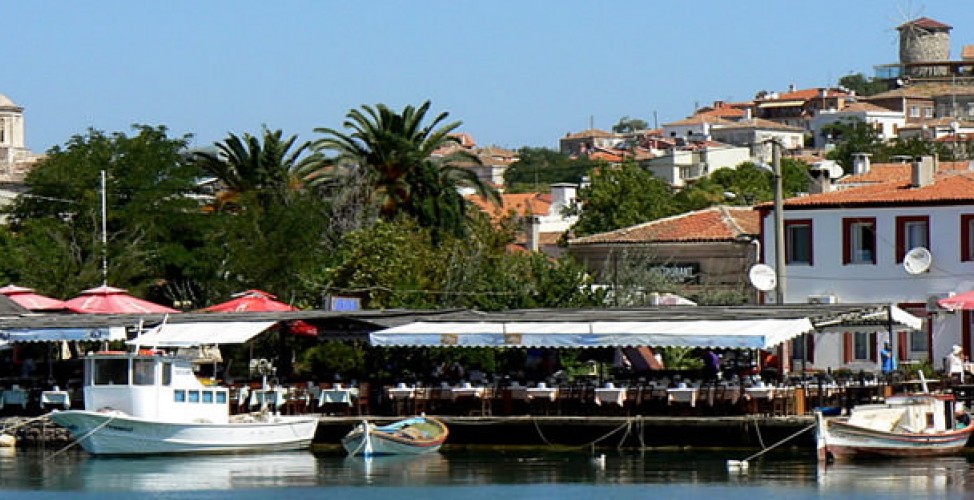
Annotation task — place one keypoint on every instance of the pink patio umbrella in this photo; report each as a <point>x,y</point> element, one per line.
<point>110,300</point>
<point>27,298</point>
<point>963,301</point>
<point>261,301</point>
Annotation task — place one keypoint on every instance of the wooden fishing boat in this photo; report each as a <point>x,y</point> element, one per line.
<point>904,426</point>
<point>412,436</point>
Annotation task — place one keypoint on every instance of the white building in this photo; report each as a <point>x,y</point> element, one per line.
<point>849,246</point>
<point>681,164</point>
<point>886,121</point>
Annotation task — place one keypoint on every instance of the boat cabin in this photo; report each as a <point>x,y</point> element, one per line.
<point>926,413</point>
<point>153,385</point>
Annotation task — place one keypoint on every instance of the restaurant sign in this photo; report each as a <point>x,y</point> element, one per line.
<point>678,272</point>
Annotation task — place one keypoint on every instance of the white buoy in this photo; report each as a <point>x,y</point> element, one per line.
<point>7,441</point>
<point>737,465</point>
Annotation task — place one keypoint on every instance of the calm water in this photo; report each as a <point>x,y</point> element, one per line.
<point>478,475</point>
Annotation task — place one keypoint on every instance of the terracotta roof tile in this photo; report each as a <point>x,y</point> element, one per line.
<point>720,223</point>
<point>761,123</point>
<point>895,172</point>
<point>592,132</point>
<point>520,204</point>
<point>925,23</point>
<point>967,52</point>
<point>699,119</point>
<point>948,187</point>
<point>866,107</point>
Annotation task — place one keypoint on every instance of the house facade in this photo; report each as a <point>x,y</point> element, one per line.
<point>681,164</point>
<point>886,121</point>
<point>854,245</point>
<point>757,135</point>
<point>699,253</point>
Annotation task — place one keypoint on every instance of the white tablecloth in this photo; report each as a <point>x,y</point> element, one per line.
<point>401,392</point>
<point>459,392</point>
<point>550,393</point>
<point>56,398</point>
<point>346,396</point>
<point>605,395</point>
<point>15,397</point>
<point>683,395</point>
<point>273,398</point>
<point>760,392</point>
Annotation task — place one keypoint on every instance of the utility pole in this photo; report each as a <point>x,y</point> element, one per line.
<point>779,224</point>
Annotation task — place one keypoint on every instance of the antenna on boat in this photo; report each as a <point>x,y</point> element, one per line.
<point>104,232</point>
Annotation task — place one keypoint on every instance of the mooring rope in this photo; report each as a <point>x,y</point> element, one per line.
<point>757,429</point>
<point>625,425</point>
<point>779,443</point>
<point>87,434</point>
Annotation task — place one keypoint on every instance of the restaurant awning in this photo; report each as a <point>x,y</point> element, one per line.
<point>729,334</point>
<point>203,333</point>
<point>60,334</point>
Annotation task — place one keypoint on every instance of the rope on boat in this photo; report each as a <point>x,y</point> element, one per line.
<point>25,422</point>
<point>626,425</point>
<point>76,441</point>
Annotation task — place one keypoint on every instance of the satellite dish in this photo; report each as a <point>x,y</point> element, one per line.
<point>917,260</point>
<point>762,277</point>
<point>835,171</point>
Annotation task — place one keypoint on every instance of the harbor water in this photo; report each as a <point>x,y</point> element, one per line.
<point>502,473</point>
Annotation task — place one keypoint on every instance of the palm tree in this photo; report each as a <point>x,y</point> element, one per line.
<point>409,167</point>
<point>246,166</point>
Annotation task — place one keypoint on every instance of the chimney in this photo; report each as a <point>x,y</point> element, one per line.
<point>533,232</point>
<point>821,174</point>
<point>923,170</point>
<point>860,163</point>
<point>562,195</point>
<point>747,114</point>
<point>792,87</point>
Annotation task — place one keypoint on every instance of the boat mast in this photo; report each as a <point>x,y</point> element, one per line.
<point>104,232</point>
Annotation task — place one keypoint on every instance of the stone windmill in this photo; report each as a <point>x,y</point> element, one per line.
<point>924,40</point>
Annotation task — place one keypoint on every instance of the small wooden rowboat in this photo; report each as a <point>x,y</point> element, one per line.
<point>412,436</point>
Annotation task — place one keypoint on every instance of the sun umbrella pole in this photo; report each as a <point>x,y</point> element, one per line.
<point>104,231</point>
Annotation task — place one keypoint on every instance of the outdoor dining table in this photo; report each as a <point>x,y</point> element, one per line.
<point>539,393</point>
<point>610,395</point>
<point>683,395</point>
<point>466,390</point>
<point>14,396</point>
<point>274,398</point>
<point>338,395</point>
<point>59,399</point>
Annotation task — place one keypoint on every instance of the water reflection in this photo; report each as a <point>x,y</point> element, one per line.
<point>914,475</point>
<point>444,472</point>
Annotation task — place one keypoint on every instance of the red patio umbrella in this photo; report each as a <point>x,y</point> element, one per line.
<point>27,298</point>
<point>251,301</point>
<point>261,301</point>
<point>960,301</point>
<point>110,300</point>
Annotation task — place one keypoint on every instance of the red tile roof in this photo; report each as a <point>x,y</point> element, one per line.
<point>925,23</point>
<point>895,172</point>
<point>951,187</point>
<point>520,204</point>
<point>592,132</point>
<point>719,223</point>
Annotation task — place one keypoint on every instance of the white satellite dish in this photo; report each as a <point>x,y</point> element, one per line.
<point>917,260</point>
<point>835,171</point>
<point>763,277</point>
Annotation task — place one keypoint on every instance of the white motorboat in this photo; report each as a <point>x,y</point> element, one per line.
<point>150,402</point>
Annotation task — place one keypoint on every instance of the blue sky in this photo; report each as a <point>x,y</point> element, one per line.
<point>515,73</point>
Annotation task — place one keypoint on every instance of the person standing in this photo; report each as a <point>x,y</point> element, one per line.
<point>887,358</point>
<point>955,364</point>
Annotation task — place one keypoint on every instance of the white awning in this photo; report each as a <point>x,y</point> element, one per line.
<point>731,334</point>
<point>204,333</point>
<point>77,334</point>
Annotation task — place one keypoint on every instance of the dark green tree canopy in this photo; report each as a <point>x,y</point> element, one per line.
<point>623,196</point>
<point>862,85</point>
<point>538,168</point>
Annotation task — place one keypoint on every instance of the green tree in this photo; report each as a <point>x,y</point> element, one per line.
<point>402,173</point>
<point>628,125</point>
<point>864,86</point>
<point>621,197</point>
<point>852,137</point>
<point>265,210</point>
<point>54,239</point>
<point>267,166</point>
<point>537,168</point>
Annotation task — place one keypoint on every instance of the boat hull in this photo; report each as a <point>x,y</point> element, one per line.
<point>114,433</point>
<point>368,440</point>
<point>839,440</point>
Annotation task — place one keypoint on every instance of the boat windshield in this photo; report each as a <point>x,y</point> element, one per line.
<point>110,371</point>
